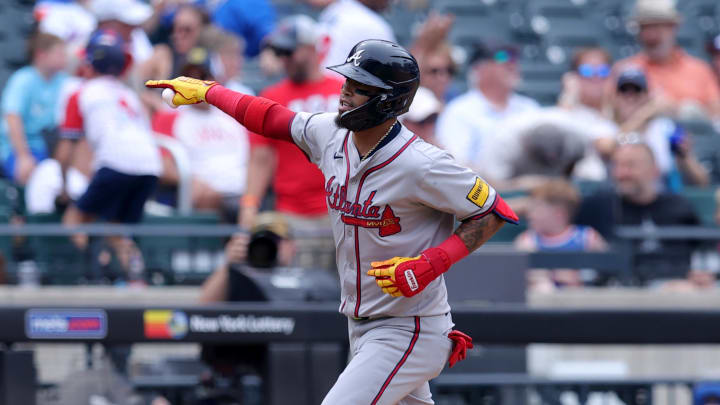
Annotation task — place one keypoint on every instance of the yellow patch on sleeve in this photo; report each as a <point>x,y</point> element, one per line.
<point>478,195</point>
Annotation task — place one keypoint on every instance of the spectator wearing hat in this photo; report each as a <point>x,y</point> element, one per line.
<point>347,22</point>
<point>470,120</point>
<point>640,119</point>
<point>126,160</point>
<point>167,59</point>
<point>218,147</point>
<point>126,18</point>
<point>299,186</point>
<point>576,135</point>
<point>683,80</point>
<point>29,104</point>
<point>422,115</point>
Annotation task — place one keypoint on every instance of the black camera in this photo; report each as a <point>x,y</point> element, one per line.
<point>263,249</point>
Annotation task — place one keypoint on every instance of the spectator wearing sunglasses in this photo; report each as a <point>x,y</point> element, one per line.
<point>584,98</point>
<point>470,120</point>
<point>167,59</point>
<point>685,81</point>
<point>641,120</point>
<point>437,70</point>
<point>298,185</point>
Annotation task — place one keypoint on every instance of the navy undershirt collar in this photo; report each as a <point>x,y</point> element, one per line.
<point>393,133</point>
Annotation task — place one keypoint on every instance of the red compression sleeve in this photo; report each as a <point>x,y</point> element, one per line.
<point>445,254</point>
<point>257,114</point>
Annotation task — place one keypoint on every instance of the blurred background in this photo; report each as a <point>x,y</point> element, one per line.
<point>151,255</point>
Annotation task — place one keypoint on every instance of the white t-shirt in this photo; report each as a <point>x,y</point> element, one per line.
<point>505,148</point>
<point>218,148</point>
<point>110,115</point>
<point>46,184</point>
<point>347,22</point>
<point>469,121</point>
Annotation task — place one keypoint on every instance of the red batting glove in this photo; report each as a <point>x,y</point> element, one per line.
<point>407,276</point>
<point>461,342</point>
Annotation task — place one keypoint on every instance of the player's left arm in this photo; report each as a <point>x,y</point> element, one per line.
<point>447,187</point>
<point>475,232</point>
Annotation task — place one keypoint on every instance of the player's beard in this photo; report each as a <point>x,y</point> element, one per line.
<point>338,123</point>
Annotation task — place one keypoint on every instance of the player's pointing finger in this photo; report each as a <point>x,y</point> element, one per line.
<point>157,84</point>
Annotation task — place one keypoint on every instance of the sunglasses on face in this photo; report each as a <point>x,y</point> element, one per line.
<point>630,89</point>
<point>593,71</point>
<point>282,53</point>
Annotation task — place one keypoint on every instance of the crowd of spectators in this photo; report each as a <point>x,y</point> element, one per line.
<point>614,122</point>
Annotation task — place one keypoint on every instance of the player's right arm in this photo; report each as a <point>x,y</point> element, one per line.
<point>257,114</point>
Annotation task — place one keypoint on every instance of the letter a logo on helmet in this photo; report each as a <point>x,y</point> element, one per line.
<point>389,68</point>
<point>355,59</point>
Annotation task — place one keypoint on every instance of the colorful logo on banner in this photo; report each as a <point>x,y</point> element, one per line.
<point>165,324</point>
<point>65,324</point>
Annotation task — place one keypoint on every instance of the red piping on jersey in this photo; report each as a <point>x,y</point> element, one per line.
<point>414,339</point>
<point>357,198</point>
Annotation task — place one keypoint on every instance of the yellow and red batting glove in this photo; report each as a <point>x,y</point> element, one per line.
<point>408,276</point>
<point>187,90</point>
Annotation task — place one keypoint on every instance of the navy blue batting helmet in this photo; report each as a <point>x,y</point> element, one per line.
<point>107,53</point>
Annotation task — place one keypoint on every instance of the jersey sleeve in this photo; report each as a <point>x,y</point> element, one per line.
<point>72,125</point>
<point>449,187</point>
<point>311,132</point>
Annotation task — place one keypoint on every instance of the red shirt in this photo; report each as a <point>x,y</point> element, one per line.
<point>298,184</point>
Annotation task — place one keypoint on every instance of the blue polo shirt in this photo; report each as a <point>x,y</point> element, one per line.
<point>35,99</point>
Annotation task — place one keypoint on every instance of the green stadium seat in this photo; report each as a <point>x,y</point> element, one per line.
<point>59,261</point>
<point>180,259</point>
<point>707,151</point>
<point>703,199</point>
<point>509,232</point>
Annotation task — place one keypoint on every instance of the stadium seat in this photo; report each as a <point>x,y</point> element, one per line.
<point>466,8</point>
<point>703,199</point>
<point>180,259</point>
<point>707,150</point>
<point>59,261</point>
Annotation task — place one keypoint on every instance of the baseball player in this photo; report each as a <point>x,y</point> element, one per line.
<point>393,200</point>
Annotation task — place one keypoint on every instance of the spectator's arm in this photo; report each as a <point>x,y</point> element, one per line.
<point>24,160</point>
<point>216,287</point>
<point>263,162</point>
<point>596,243</point>
<point>432,33</point>
<point>692,170</point>
<point>64,152</point>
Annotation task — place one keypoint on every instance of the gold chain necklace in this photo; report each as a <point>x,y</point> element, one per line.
<point>378,142</point>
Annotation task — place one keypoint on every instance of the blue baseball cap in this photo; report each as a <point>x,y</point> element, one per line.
<point>107,53</point>
<point>632,77</point>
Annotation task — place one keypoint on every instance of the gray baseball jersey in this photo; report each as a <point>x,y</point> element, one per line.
<point>400,201</point>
